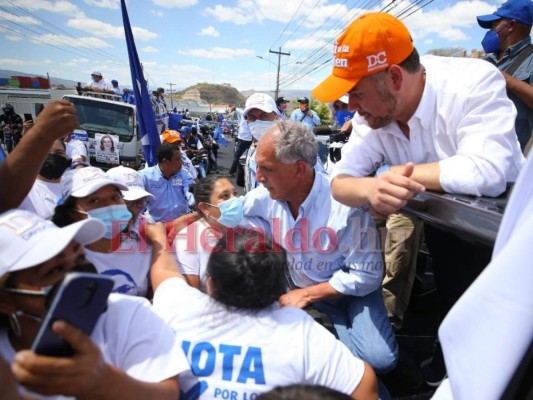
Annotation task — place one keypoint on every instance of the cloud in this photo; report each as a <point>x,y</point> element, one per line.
<point>13,38</point>
<point>68,41</point>
<point>157,13</point>
<point>149,49</point>
<point>17,19</point>
<point>175,3</point>
<point>57,7</point>
<point>217,52</point>
<point>448,23</point>
<point>13,62</point>
<point>112,4</point>
<point>307,43</point>
<point>105,30</point>
<point>209,31</point>
<point>246,11</point>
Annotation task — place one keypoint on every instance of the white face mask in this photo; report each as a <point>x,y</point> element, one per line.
<point>258,128</point>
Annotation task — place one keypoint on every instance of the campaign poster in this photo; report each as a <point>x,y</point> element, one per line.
<point>106,148</point>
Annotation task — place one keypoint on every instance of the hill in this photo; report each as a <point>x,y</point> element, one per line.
<point>216,94</point>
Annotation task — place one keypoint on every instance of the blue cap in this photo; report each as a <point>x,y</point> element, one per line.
<point>519,10</point>
<point>185,128</point>
<point>114,82</point>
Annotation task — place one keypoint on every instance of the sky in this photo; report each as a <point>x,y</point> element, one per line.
<point>184,42</point>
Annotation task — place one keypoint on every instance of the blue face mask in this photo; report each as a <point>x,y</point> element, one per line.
<point>115,218</point>
<point>491,41</point>
<point>231,212</point>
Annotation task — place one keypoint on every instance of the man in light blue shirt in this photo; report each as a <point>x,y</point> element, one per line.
<point>333,251</point>
<point>305,115</point>
<point>169,183</point>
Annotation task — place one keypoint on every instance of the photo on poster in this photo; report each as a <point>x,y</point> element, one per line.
<point>106,148</point>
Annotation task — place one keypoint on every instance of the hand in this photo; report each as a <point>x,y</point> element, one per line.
<point>26,126</point>
<point>295,298</point>
<point>75,376</point>
<point>392,190</point>
<point>58,119</point>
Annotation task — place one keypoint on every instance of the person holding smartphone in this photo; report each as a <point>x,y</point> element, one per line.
<point>121,359</point>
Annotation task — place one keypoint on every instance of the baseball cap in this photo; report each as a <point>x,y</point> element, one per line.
<point>303,100</point>
<point>520,10</point>
<point>281,100</point>
<point>132,179</point>
<point>85,181</point>
<point>170,136</point>
<point>114,82</point>
<point>370,44</point>
<point>261,101</point>
<point>97,73</point>
<point>27,240</point>
<point>185,128</point>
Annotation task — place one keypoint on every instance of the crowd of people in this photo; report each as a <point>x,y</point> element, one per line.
<point>290,291</point>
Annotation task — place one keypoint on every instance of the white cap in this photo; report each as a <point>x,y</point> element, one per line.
<point>261,101</point>
<point>132,179</point>
<point>97,73</point>
<point>344,99</point>
<point>27,240</point>
<point>85,181</point>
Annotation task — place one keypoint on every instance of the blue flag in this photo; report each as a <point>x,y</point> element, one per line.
<point>219,136</point>
<point>145,113</point>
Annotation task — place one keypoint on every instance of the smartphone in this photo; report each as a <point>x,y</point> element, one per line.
<point>28,117</point>
<point>80,300</point>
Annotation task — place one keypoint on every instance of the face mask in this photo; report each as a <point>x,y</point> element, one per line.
<point>113,217</point>
<point>231,212</point>
<point>491,41</point>
<point>258,128</point>
<point>54,166</point>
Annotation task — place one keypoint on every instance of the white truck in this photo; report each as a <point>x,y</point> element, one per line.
<point>111,126</point>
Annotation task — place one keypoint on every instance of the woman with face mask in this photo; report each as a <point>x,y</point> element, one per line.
<point>220,209</point>
<point>121,359</point>
<point>89,193</point>
<point>46,190</point>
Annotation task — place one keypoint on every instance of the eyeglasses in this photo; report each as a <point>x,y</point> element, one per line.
<point>262,117</point>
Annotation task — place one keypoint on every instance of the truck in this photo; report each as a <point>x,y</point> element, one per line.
<point>106,119</point>
<point>25,101</point>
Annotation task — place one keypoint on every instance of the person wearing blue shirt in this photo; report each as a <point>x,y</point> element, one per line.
<point>341,112</point>
<point>305,115</point>
<point>169,183</point>
<point>333,251</point>
<point>508,46</point>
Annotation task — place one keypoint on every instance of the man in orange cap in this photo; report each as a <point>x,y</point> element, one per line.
<point>435,123</point>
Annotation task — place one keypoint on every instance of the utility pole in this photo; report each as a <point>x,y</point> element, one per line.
<point>279,53</point>
<point>171,98</point>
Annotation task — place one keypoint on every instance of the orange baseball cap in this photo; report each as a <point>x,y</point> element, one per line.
<point>171,136</point>
<point>372,43</point>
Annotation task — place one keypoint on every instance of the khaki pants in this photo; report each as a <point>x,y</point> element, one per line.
<point>404,236</point>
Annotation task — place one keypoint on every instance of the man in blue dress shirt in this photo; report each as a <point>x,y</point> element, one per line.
<point>333,251</point>
<point>169,183</point>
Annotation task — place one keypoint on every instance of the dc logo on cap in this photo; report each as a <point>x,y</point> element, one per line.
<point>377,61</point>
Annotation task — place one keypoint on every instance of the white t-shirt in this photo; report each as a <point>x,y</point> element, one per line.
<point>102,84</point>
<point>42,198</point>
<point>129,266</point>
<point>244,131</point>
<point>239,353</point>
<point>76,149</point>
<point>464,121</point>
<point>193,245</point>
<point>132,338</point>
